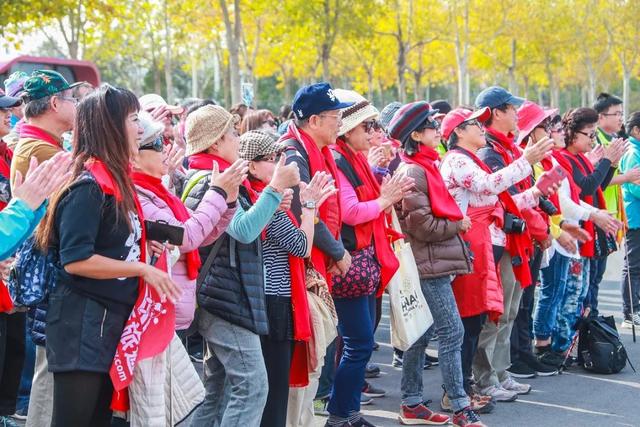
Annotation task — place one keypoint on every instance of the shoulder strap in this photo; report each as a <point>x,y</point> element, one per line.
<point>195,179</point>
<point>207,264</point>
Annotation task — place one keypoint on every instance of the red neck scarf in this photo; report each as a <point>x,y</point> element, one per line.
<point>573,160</point>
<point>34,132</point>
<point>178,209</point>
<point>518,245</point>
<point>443,204</point>
<point>205,161</point>
<point>377,228</point>
<point>547,165</point>
<point>320,160</point>
<point>298,375</point>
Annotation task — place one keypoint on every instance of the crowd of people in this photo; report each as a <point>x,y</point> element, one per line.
<point>261,245</point>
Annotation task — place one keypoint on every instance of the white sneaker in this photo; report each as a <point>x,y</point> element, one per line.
<point>627,323</point>
<point>499,393</point>
<point>512,385</point>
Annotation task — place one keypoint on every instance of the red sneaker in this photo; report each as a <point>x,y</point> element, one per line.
<point>467,418</point>
<point>421,415</point>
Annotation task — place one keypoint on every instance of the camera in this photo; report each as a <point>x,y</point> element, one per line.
<point>547,207</point>
<point>513,224</point>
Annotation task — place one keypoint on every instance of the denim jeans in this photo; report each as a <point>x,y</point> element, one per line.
<point>356,321</point>
<point>571,305</point>
<point>631,272</point>
<point>448,325</point>
<point>550,294</point>
<point>472,328</point>
<point>235,377</point>
<point>596,273</point>
<point>27,373</point>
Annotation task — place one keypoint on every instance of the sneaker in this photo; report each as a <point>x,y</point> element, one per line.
<point>480,404</point>
<point>549,357</point>
<point>21,414</point>
<point>512,385</point>
<point>320,407</point>
<point>7,421</point>
<point>467,418</point>
<point>630,321</point>
<point>499,394</point>
<point>421,415</point>
<point>397,360</point>
<point>370,391</point>
<point>431,359</point>
<point>365,400</point>
<point>519,369</point>
<point>372,371</point>
<point>541,369</point>
<point>361,422</point>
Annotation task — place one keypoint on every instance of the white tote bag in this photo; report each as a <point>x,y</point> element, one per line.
<point>410,315</point>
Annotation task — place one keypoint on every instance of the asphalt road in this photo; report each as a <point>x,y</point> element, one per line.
<point>575,398</point>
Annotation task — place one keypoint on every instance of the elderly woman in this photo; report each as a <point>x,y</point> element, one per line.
<point>201,226</point>
<point>363,203</point>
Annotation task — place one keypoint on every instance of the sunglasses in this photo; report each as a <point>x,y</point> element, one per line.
<point>155,145</point>
<point>591,135</point>
<point>431,124</point>
<point>271,158</point>
<point>371,125</point>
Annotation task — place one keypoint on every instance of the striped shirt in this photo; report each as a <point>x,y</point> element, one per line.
<point>283,238</point>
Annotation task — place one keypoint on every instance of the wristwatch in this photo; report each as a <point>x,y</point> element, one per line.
<point>309,204</point>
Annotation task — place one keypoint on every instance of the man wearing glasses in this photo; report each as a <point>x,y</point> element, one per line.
<point>50,110</point>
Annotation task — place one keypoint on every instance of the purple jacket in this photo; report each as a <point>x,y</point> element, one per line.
<point>206,224</point>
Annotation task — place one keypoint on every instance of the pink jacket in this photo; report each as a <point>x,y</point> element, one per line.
<point>206,224</point>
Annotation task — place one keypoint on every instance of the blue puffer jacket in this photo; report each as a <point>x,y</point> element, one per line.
<point>36,322</point>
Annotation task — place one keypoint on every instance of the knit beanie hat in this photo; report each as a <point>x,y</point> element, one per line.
<point>360,111</point>
<point>387,113</point>
<point>409,118</point>
<point>205,126</point>
<point>257,143</point>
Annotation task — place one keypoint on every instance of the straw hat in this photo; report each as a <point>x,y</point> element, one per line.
<point>205,126</point>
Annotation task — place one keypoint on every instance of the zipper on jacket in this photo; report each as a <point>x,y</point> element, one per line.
<point>104,317</point>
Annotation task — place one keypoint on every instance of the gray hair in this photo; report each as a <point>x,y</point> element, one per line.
<point>301,123</point>
<point>37,107</point>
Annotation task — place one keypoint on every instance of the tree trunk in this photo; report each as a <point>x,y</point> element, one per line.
<point>168,65</point>
<point>626,89</point>
<point>462,59</point>
<point>233,35</point>
<point>194,76</point>
<point>513,84</point>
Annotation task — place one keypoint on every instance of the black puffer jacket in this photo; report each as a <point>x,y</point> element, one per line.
<point>233,289</point>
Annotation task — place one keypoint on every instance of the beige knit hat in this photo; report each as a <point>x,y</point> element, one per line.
<point>359,112</point>
<point>205,126</point>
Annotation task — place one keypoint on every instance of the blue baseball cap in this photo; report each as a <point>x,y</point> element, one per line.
<point>495,95</point>
<point>316,98</point>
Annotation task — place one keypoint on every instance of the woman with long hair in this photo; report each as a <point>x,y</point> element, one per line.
<point>94,227</point>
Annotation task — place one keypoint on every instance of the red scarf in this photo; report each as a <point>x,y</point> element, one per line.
<point>34,132</point>
<point>178,209</point>
<point>377,228</point>
<point>443,204</point>
<point>518,245</point>
<point>547,165</point>
<point>205,161</point>
<point>320,160</point>
<point>298,372</point>
<point>588,248</point>
<point>504,146</point>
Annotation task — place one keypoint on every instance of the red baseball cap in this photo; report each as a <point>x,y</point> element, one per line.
<point>530,115</point>
<point>455,118</point>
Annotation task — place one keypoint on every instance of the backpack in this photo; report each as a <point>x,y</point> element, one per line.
<point>33,276</point>
<point>192,182</point>
<point>599,347</point>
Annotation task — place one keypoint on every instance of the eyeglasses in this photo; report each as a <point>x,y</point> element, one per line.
<point>431,124</point>
<point>472,122</point>
<point>71,99</point>
<point>617,114</point>
<point>155,145</point>
<point>558,129</point>
<point>271,158</point>
<point>591,135</point>
<point>545,126</point>
<point>370,126</point>
<point>335,116</point>
<point>270,123</point>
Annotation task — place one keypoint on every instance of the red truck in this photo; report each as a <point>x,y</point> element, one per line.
<point>72,69</point>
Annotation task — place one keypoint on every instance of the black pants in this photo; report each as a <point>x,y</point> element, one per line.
<point>631,272</point>
<point>277,350</point>
<point>521,341</point>
<point>81,399</point>
<point>12,335</point>
<point>472,328</point>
